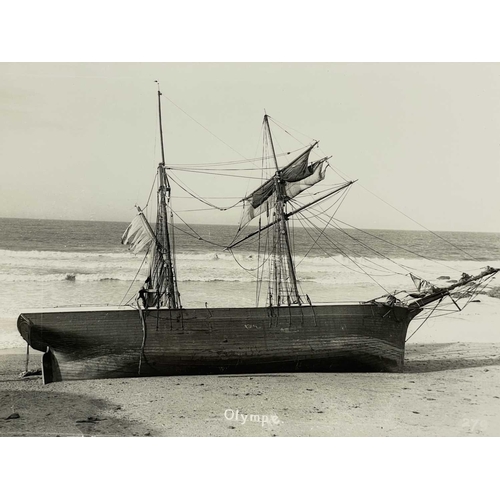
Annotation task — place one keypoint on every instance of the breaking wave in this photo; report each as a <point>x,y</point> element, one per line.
<point>50,266</point>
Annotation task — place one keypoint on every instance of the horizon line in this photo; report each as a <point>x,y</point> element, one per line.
<point>235,225</point>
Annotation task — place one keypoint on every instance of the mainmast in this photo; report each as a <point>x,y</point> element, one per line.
<point>163,273</point>
<point>281,235</point>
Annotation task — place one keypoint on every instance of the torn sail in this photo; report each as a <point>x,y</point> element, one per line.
<point>297,177</point>
<point>138,234</point>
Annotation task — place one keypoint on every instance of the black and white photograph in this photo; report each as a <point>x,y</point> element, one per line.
<point>249,222</point>
<point>270,269</point>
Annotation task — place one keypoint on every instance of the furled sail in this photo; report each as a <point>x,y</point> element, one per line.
<point>138,234</point>
<point>423,286</point>
<point>298,176</point>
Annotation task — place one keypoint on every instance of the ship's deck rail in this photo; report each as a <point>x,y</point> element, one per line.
<point>110,307</point>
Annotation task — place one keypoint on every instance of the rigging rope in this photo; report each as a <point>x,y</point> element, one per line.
<point>421,225</point>
<point>196,210</point>
<point>339,201</point>
<point>209,170</point>
<point>210,198</point>
<point>211,173</point>
<point>298,140</point>
<point>233,162</point>
<point>144,336</point>
<point>135,278</point>
<point>338,228</point>
<point>199,198</point>
<point>210,132</point>
<point>259,266</point>
<point>150,192</point>
<point>391,272</point>
<point>422,324</point>
<point>345,255</point>
<point>258,288</point>
<point>475,286</point>
<point>286,131</point>
<point>348,257</point>
<point>408,268</point>
<point>398,246</point>
<point>196,234</point>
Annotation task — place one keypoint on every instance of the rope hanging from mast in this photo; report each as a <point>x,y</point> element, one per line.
<point>161,289</point>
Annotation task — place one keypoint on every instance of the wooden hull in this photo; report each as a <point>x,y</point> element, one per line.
<point>107,342</point>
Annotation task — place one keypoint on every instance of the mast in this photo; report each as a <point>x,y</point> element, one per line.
<point>166,282</point>
<point>282,229</point>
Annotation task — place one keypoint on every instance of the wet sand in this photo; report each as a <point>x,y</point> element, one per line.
<point>450,389</point>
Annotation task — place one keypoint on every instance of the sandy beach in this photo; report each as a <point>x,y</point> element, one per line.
<point>450,389</point>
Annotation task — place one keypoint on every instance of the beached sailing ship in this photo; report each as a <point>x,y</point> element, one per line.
<point>156,335</point>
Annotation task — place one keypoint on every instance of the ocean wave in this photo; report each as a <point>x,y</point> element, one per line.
<point>47,254</point>
<point>42,266</point>
<point>37,257</point>
<point>9,278</point>
<point>70,277</point>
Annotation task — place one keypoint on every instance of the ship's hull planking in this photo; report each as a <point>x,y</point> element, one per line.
<point>122,342</point>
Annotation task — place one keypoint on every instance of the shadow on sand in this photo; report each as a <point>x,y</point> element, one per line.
<point>422,358</point>
<point>61,414</point>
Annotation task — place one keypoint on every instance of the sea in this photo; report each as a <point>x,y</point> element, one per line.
<point>56,263</point>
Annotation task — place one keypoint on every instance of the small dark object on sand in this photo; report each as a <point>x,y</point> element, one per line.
<point>494,292</point>
<point>12,416</point>
<point>90,420</point>
<point>31,373</point>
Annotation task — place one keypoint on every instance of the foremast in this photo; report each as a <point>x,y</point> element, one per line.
<point>283,286</point>
<point>162,280</point>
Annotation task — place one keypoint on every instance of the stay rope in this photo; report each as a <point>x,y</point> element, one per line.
<point>422,226</point>
<point>423,322</point>
<point>365,245</point>
<point>209,131</point>
<point>348,257</point>
<point>398,246</point>
<point>199,198</point>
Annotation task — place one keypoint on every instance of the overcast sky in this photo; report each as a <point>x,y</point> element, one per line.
<point>80,140</point>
